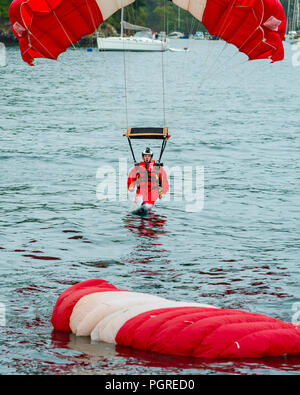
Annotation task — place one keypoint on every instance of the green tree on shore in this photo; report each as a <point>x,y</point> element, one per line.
<point>156,14</point>
<point>4,5</point>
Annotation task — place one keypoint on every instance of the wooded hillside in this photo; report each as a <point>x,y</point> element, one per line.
<point>159,15</point>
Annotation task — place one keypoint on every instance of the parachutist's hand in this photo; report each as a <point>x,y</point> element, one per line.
<point>161,195</point>
<point>131,187</point>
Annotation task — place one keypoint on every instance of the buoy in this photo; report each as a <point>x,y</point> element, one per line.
<point>151,323</point>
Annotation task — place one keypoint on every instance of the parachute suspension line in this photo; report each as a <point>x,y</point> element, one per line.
<point>36,38</point>
<point>163,88</point>
<point>216,56</point>
<point>66,33</point>
<point>221,66</point>
<point>41,44</point>
<point>245,41</point>
<point>61,25</point>
<point>91,15</point>
<point>125,76</point>
<point>191,29</point>
<point>125,86</point>
<point>63,29</point>
<point>259,27</point>
<point>194,22</point>
<point>211,69</point>
<point>93,75</point>
<point>163,29</point>
<point>259,21</point>
<point>218,69</point>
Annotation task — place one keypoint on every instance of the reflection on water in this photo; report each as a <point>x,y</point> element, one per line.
<point>119,359</point>
<point>149,260</point>
<point>151,226</point>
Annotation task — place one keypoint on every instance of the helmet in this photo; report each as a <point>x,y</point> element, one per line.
<point>147,151</point>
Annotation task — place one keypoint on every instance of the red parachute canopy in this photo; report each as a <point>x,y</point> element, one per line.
<point>46,28</point>
<point>255,27</point>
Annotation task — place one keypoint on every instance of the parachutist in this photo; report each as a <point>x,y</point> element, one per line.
<point>149,178</point>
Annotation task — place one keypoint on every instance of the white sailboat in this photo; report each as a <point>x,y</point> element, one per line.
<point>142,41</point>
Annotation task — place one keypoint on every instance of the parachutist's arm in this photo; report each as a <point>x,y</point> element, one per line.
<point>132,178</point>
<point>164,182</point>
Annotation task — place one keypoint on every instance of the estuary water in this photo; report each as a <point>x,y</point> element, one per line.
<point>235,246</point>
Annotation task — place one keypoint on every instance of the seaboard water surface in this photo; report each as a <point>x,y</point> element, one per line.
<point>62,125</point>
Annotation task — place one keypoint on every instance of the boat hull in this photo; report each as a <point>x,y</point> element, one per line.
<point>131,44</point>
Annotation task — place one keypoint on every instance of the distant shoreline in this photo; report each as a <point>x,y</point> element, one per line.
<point>6,35</point>
<point>8,38</point>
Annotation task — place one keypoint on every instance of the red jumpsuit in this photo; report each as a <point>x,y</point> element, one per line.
<point>149,178</point>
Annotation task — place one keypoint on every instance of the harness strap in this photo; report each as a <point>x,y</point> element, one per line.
<point>151,179</point>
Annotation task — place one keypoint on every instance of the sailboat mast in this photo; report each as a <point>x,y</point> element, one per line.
<point>298,14</point>
<point>122,20</point>
<point>288,17</point>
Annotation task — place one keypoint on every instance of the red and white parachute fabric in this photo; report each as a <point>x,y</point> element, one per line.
<point>255,27</point>
<point>46,28</point>
<point>147,322</point>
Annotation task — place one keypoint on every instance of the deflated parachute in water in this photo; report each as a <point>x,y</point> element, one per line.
<point>46,28</point>
<point>150,323</point>
<point>255,27</point>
